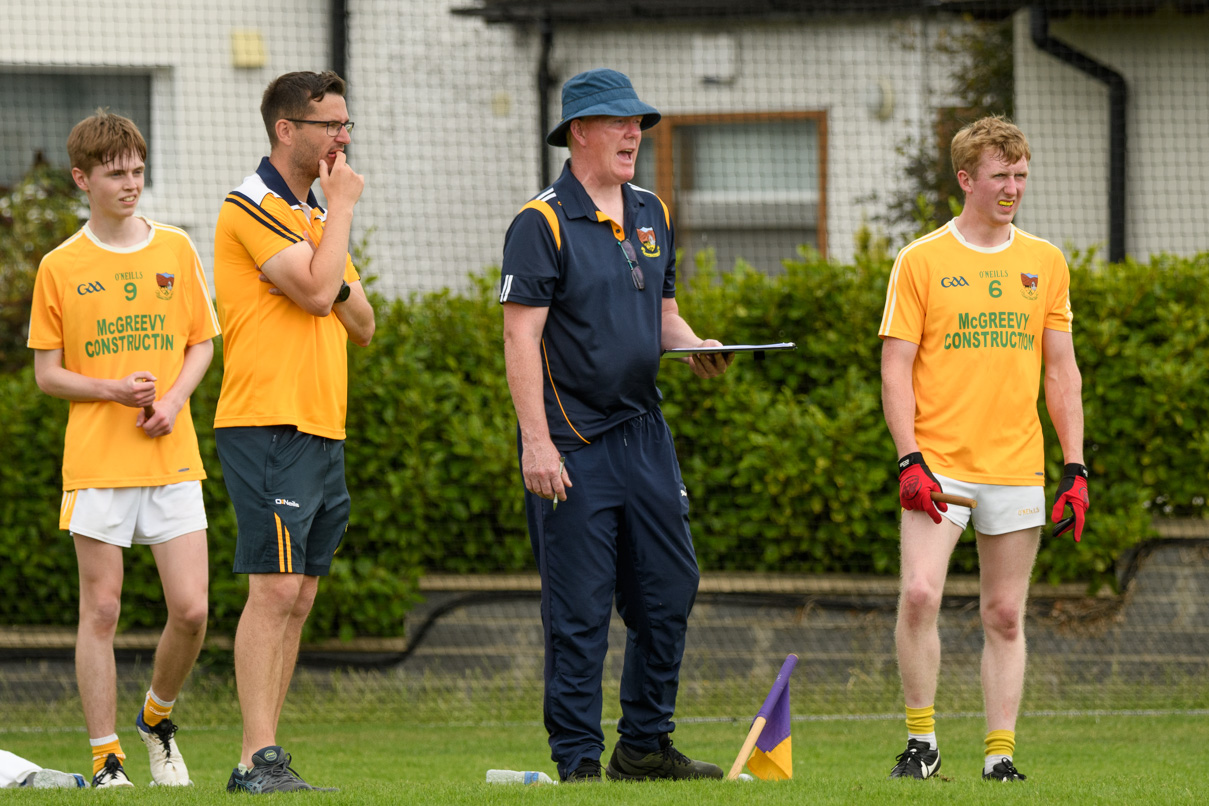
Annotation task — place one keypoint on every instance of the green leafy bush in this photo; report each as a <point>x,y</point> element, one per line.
<point>788,460</point>
<point>38,215</point>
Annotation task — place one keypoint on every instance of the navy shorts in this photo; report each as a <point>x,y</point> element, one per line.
<point>290,498</point>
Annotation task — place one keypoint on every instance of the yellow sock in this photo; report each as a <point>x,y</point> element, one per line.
<point>920,721</point>
<point>1001,743</point>
<point>101,748</point>
<point>155,710</point>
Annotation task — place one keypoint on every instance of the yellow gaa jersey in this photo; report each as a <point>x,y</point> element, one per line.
<point>977,315</point>
<point>281,365</point>
<point>113,311</point>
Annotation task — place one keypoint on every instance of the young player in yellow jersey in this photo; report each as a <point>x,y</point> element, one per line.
<point>972,312</point>
<point>122,326</point>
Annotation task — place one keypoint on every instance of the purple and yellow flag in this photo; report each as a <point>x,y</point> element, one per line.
<point>772,760</point>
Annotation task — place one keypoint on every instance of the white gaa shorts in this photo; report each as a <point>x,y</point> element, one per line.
<point>1001,508</point>
<point>124,516</point>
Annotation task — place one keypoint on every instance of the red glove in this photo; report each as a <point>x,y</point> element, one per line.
<point>916,484</point>
<point>1072,492</point>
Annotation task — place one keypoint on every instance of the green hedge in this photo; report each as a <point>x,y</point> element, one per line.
<point>788,461</point>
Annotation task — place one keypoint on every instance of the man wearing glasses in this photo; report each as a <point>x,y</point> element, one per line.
<point>588,289</point>
<point>289,300</point>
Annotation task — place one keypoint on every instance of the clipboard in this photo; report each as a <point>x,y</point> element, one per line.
<point>758,349</point>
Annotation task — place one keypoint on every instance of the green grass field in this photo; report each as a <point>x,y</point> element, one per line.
<point>1116,759</point>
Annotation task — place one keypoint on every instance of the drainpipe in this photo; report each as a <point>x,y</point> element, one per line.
<point>544,79</point>
<point>1117,97</point>
<point>339,25</point>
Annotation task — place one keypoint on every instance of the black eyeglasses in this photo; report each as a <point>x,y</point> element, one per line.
<point>333,126</point>
<point>627,249</point>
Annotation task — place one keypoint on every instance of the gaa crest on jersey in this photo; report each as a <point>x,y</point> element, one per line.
<point>1029,283</point>
<point>164,284</point>
<point>646,236</point>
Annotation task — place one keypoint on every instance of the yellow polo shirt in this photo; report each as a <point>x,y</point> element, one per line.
<point>281,365</point>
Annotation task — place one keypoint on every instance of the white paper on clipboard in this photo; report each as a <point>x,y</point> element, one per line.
<point>732,348</point>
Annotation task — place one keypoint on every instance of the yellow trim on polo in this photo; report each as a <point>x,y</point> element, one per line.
<point>551,219</point>
<point>557,399</point>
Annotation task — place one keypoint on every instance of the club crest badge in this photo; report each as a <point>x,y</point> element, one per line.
<point>646,236</point>
<point>1029,283</point>
<point>164,285</point>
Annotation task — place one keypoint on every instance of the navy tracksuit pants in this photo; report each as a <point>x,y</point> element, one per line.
<point>623,531</point>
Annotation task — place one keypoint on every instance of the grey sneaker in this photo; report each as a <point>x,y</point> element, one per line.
<point>666,762</point>
<point>53,779</point>
<point>271,772</point>
<point>111,775</point>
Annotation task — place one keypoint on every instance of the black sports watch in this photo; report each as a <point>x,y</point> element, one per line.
<point>345,290</point>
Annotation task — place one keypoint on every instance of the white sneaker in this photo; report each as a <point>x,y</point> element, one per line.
<point>167,766</point>
<point>111,775</point>
<point>53,779</point>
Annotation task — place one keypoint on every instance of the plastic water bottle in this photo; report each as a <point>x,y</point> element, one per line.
<point>518,777</point>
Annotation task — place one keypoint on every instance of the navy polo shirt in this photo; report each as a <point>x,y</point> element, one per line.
<point>601,343</point>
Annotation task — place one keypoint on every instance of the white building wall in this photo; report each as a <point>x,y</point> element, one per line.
<point>446,109</point>
<point>447,114</point>
<point>446,138</point>
<point>206,128</point>
<point>829,65</point>
<point>1164,59</point>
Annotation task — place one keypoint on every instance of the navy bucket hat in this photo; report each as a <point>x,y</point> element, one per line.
<point>600,92</point>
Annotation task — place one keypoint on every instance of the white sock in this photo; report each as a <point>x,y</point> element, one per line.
<point>989,763</point>
<point>162,703</point>
<point>930,738</point>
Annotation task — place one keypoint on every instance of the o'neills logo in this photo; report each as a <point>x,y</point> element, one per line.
<point>285,502</point>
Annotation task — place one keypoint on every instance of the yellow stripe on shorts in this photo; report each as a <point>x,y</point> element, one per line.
<point>280,559</point>
<point>67,508</point>
<point>285,557</point>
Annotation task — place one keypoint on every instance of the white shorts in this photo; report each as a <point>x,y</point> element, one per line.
<point>1001,508</point>
<point>124,516</point>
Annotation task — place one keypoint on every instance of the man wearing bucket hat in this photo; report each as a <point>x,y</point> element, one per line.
<point>588,288</point>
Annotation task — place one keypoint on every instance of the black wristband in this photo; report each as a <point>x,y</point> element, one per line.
<point>916,458</point>
<point>342,294</point>
<point>1074,469</point>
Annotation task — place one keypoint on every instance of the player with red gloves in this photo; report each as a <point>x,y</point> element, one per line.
<point>973,312</point>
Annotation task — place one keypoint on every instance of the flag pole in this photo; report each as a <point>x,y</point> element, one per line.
<point>749,744</point>
<point>761,720</point>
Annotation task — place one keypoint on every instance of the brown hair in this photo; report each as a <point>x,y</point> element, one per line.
<point>103,137</point>
<point>290,95</point>
<point>995,133</point>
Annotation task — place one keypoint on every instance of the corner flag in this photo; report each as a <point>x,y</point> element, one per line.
<point>768,750</point>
